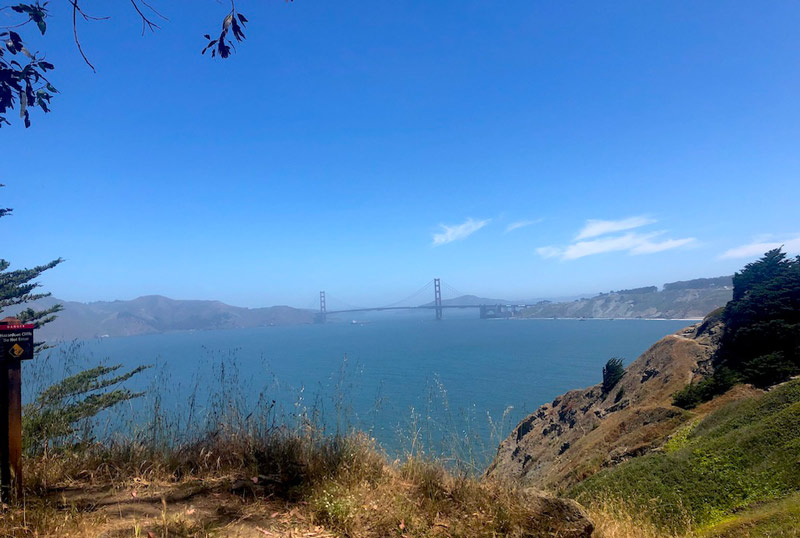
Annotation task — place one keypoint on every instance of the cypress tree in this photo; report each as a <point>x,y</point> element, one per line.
<point>19,287</point>
<point>760,343</point>
<point>56,413</point>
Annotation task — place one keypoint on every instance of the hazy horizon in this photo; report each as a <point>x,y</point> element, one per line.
<point>421,299</point>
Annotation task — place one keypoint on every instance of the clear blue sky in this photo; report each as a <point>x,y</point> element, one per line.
<point>367,147</point>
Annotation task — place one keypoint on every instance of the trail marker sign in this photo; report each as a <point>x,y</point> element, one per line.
<point>16,342</point>
<point>16,345</point>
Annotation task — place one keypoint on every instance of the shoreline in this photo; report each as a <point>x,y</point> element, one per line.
<point>610,319</point>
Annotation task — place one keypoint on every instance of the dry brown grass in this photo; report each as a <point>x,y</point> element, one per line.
<point>419,498</point>
<point>245,485</point>
<point>778,519</point>
<point>614,520</point>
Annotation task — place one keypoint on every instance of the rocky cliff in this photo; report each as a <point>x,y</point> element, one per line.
<point>677,300</point>
<point>582,431</point>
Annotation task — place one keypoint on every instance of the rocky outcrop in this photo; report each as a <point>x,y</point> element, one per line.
<point>559,517</point>
<point>582,431</point>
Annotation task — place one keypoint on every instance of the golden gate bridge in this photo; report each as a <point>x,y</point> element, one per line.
<point>486,310</point>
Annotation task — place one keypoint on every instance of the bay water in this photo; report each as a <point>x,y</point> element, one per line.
<point>459,385</point>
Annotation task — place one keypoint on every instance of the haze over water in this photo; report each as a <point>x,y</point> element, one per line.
<point>453,371</point>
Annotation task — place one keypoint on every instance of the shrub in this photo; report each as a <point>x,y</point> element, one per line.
<point>612,373</point>
<point>694,394</point>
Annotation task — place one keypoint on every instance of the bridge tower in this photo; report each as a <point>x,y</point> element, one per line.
<point>437,297</point>
<point>323,309</point>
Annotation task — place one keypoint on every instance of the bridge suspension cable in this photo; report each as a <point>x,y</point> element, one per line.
<point>313,304</point>
<point>412,296</point>
<point>437,305</point>
<point>453,290</point>
<point>340,305</point>
<point>338,302</point>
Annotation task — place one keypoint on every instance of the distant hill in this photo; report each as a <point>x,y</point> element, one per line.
<point>157,314</point>
<point>684,299</point>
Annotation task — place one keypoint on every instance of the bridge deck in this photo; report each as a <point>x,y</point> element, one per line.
<point>426,307</point>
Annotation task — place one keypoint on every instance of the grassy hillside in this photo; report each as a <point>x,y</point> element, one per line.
<point>742,456</point>
<point>778,519</point>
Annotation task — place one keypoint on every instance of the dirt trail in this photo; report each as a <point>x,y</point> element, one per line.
<point>190,509</point>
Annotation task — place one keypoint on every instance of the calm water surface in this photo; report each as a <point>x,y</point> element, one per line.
<point>454,371</point>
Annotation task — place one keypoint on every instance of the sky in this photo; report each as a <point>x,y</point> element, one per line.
<point>521,149</point>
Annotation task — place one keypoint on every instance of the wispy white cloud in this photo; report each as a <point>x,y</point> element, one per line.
<point>599,242</point>
<point>760,246</point>
<point>549,252</point>
<point>521,224</point>
<point>595,228</point>
<point>651,247</point>
<point>632,242</point>
<point>457,232</point>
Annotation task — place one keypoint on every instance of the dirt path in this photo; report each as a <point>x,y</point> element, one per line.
<point>190,509</point>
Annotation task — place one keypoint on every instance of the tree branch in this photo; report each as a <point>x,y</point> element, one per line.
<point>147,24</point>
<point>154,10</point>
<point>75,11</point>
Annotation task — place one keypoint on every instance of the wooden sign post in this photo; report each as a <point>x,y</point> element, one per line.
<point>16,345</point>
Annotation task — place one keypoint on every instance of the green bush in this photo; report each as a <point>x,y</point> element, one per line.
<point>694,394</point>
<point>612,373</point>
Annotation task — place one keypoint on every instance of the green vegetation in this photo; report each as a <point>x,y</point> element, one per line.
<point>56,415</point>
<point>612,373</point>
<point>704,390</point>
<point>776,519</point>
<point>760,343</point>
<point>740,455</point>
